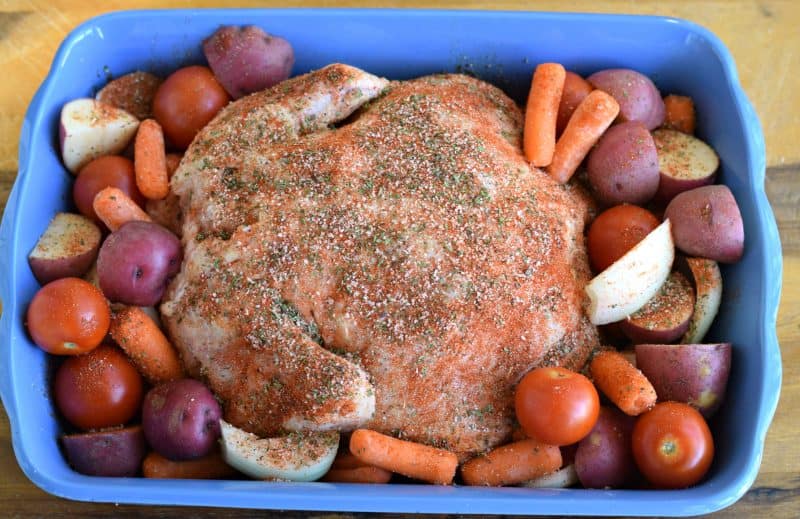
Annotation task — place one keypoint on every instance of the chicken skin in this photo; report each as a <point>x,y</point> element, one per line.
<point>365,253</point>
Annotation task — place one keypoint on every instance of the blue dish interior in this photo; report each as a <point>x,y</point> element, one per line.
<point>500,47</point>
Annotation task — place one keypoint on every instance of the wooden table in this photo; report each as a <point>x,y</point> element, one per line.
<point>765,41</point>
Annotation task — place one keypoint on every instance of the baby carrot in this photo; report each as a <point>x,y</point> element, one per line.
<point>147,347</point>
<point>622,383</point>
<point>512,463</point>
<point>595,113</point>
<point>346,460</point>
<point>364,474</point>
<point>115,208</point>
<point>211,466</point>
<point>575,90</point>
<point>539,137</point>
<point>173,161</point>
<point>411,459</point>
<point>150,161</point>
<point>679,113</point>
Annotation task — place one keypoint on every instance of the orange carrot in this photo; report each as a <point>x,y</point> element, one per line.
<point>679,113</point>
<point>150,161</point>
<point>346,460</point>
<point>622,383</point>
<point>414,460</point>
<point>539,137</point>
<point>211,466</point>
<point>595,113</point>
<point>575,90</point>
<point>115,208</point>
<point>173,161</point>
<point>512,463</point>
<point>364,474</point>
<point>147,347</point>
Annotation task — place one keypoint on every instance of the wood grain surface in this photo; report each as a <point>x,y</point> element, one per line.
<point>763,37</point>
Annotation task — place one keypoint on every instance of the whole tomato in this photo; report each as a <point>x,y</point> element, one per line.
<point>186,101</point>
<point>99,389</point>
<point>672,445</point>
<point>102,172</point>
<point>556,406</point>
<point>615,231</point>
<point>68,316</point>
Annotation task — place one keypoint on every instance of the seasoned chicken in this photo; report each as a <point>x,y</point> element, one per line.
<point>364,253</point>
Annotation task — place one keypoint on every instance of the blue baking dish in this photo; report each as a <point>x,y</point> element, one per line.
<point>501,47</point>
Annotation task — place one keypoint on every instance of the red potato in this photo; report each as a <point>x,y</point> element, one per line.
<point>623,166</point>
<point>67,248</point>
<point>247,59</point>
<point>137,261</point>
<point>113,453</point>
<point>638,98</point>
<point>664,318</point>
<point>708,288</point>
<point>604,458</point>
<point>132,92</point>
<point>89,129</point>
<point>103,172</point>
<point>575,90</point>
<point>181,419</point>
<point>706,222</point>
<point>684,162</point>
<point>695,374</point>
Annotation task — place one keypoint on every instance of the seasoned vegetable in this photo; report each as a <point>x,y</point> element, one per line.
<point>246,59</point>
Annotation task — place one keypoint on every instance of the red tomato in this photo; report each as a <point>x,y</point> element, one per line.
<point>615,231</point>
<point>99,389</point>
<point>672,445</point>
<point>102,172</point>
<point>186,101</point>
<point>556,406</point>
<point>68,316</point>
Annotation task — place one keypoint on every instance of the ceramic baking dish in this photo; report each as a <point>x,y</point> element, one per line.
<point>501,47</point>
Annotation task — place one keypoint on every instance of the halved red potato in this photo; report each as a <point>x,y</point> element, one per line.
<point>110,453</point>
<point>684,162</point>
<point>67,248</point>
<point>90,129</point>
<point>666,316</point>
<point>708,289</point>
<point>132,92</point>
<point>695,374</point>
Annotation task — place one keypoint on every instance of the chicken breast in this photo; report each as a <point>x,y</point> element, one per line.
<point>364,253</point>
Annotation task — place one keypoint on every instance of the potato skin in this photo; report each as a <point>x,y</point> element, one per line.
<point>696,374</point>
<point>623,166</point>
<point>67,248</point>
<point>181,419</point>
<point>137,261</point>
<point>246,59</point>
<point>604,458</point>
<point>113,453</point>
<point>706,222</point>
<point>638,98</point>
